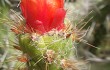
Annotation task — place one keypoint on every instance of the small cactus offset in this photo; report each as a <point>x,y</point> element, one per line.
<point>45,41</point>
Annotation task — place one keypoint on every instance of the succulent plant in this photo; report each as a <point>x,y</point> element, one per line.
<point>46,41</point>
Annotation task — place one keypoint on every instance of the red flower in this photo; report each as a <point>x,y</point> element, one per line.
<point>43,15</point>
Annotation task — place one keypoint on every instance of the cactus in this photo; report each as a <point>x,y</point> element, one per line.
<point>50,51</point>
<point>46,49</point>
<point>45,41</point>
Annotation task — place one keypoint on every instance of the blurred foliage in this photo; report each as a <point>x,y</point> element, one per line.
<point>101,12</point>
<point>3,29</point>
<point>4,9</point>
<point>5,35</point>
<point>98,34</point>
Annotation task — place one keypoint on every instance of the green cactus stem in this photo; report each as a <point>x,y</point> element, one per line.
<point>45,52</point>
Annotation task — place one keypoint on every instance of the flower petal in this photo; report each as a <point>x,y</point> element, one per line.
<point>36,26</point>
<point>58,19</point>
<point>48,12</point>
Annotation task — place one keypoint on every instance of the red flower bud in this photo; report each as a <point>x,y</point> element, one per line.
<point>43,15</point>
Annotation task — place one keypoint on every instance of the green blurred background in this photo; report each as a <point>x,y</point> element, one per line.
<point>77,11</point>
